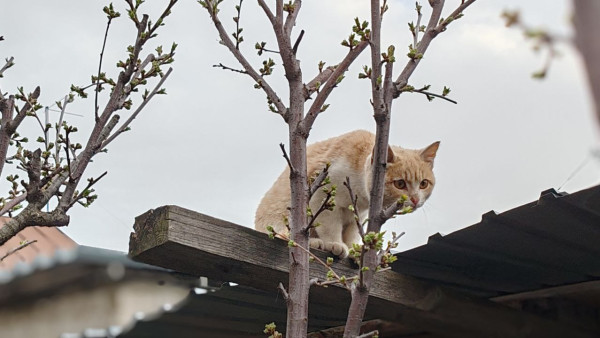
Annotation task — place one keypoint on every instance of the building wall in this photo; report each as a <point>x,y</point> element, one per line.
<point>110,305</point>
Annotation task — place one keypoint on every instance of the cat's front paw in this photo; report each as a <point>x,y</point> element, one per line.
<point>338,249</point>
<point>316,243</point>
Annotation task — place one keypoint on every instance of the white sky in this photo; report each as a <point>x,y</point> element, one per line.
<point>212,146</point>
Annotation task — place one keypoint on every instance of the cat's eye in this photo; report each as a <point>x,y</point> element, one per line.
<point>424,184</point>
<point>400,184</point>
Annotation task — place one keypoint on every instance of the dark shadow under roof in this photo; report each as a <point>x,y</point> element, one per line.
<point>551,242</point>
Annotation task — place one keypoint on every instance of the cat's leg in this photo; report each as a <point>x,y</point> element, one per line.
<point>316,243</point>
<point>351,235</point>
<point>329,235</point>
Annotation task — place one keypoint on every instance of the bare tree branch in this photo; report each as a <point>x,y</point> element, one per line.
<point>220,65</point>
<point>126,124</point>
<point>332,81</point>
<point>281,109</point>
<point>98,85</point>
<point>434,27</point>
<point>9,63</point>
<point>319,179</point>
<point>369,334</point>
<point>284,292</point>
<point>267,11</point>
<point>21,246</point>
<point>12,203</point>
<point>315,84</point>
<point>429,94</point>
<point>297,43</point>
<point>586,27</point>
<point>355,211</point>
<point>287,159</point>
<point>290,21</point>
<point>29,104</point>
<point>39,190</point>
<point>58,127</point>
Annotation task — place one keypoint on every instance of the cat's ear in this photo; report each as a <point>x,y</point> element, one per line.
<point>428,154</point>
<point>390,155</point>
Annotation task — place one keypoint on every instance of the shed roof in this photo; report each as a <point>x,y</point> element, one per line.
<point>551,242</point>
<point>544,244</point>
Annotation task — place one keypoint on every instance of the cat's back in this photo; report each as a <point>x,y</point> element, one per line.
<point>346,151</point>
<point>352,147</point>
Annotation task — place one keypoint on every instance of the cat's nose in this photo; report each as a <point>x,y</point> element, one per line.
<point>415,201</point>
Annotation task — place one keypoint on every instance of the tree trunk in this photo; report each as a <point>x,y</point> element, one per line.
<point>299,286</point>
<point>587,27</point>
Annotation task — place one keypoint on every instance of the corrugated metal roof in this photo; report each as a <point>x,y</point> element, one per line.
<point>77,266</point>
<point>225,312</point>
<point>550,242</point>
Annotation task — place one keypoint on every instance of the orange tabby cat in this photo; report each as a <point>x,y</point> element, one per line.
<point>409,172</point>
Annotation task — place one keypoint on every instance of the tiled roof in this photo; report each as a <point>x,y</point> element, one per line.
<point>47,241</point>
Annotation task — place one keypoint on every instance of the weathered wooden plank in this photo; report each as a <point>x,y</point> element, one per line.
<point>190,242</point>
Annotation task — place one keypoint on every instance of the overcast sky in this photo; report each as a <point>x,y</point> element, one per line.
<point>211,145</point>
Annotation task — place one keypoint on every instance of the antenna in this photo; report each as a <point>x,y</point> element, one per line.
<point>47,111</point>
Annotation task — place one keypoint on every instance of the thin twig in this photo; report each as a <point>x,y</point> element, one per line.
<point>369,334</point>
<point>285,155</point>
<point>324,206</point>
<point>434,27</point>
<point>13,202</point>
<point>317,282</point>
<point>294,257</point>
<point>25,109</point>
<point>220,65</point>
<point>91,182</point>
<point>226,40</point>
<point>361,264</point>
<point>9,63</point>
<point>391,210</point>
<point>317,106</point>
<point>317,183</point>
<point>68,156</point>
<point>237,26</point>
<point>126,124</point>
<point>290,21</point>
<point>98,85</point>
<point>270,51</point>
<point>12,251</point>
<point>430,94</point>
<point>267,11</point>
<point>417,28</point>
<point>284,292</point>
<point>390,246</point>
<point>354,200</point>
<point>138,72</point>
<point>317,259</point>
<point>315,84</point>
<point>297,43</point>
<point>58,126</point>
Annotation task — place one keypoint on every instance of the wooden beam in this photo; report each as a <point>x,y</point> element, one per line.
<point>193,243</point>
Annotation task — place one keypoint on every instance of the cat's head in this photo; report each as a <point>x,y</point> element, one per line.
<point>409,172</point>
